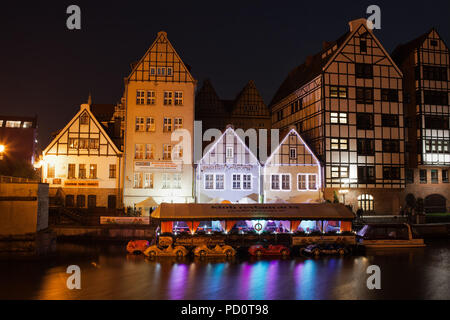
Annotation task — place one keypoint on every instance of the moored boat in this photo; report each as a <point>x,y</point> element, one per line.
<point>397,235</point>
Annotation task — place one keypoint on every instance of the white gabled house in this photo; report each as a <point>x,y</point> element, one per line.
<point>292,173</point>
<point>228,172</point>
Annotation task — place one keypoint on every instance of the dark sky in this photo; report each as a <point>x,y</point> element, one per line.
<point>49,70</point>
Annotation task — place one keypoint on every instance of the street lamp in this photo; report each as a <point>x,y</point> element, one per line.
<point>2,151</point>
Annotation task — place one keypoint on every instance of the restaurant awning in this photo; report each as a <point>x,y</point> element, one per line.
<point>261,211</point>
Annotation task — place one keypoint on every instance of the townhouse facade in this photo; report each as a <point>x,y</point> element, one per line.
<point>425,65</point>
<point>159,120</point>
<point>346,102</point>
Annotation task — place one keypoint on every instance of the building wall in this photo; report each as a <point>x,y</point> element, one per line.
<point>19,136</point>
<point>160,55</point>
<point>23,207</point>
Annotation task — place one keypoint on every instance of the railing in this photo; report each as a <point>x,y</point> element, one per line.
<point>7,179</point>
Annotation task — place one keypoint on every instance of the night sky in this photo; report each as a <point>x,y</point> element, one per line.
<point>49,70</point>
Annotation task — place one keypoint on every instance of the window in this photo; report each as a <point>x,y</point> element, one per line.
<point>84,143</point>
<point>73,143</point>
<point>92,201</point>
<point>285,182</point>
<point>27,124</point>
<point>177,180</point>
<point>167,152</point>
<point>392,146</point>
<point>279,115</point>
<point>70,200</point>
<point>169,71</point>
<point>71,171</point>
<point>230,152</point>
<point>436,122</point>
<point>409,173</point>
<point>13,124</point>
<point>178,98</point>
<point>50,170</point>
<point>140,97</point>
<point>167,98</point>
<point>312,182</point>
<point>220,181</point>
<point>148,180</point>
<point>434,73</point>
<point>137,180</point>
<point>339,144</point>
<point>364,95</point>
<point>433,43</point>
<point>236,181</point>
<point>151,97</point>
<point>152,71</point>
<point>366,174</point>
<point>434,176</point>
<point>149,151</point>
<point>167,125</point>
<point>364,70</point>
<point>365,202</point>
<point>166,181</point>
<point>178,123</point>
<point>293,153</point>
<point>178,152</point>
<point>366,147</point>
<point>93,143</point>
<point>84,119</point>
<point>112,171</point>
<point>391,173</point>
<point>338,117</point>
<point>246,181</point>
<point>338,92</point>
<point>81,201</point>
<point>302,181</point>
<point>445,175</point>
<point>209,181</point>
<point>93,171</point>
<point>364,121</point>
<point>389,120</point>
<point>362,46</point>
<point>423,176</point>
<point>82,171</point>
<point>275,182</point>
<point>389,95</point>
<point>339,172</point>
<point>139,124</point>
<point>139,151</point>
<point>150,125</point>
<point>436,97</point>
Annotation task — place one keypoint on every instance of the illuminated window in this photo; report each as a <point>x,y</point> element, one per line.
<point>339,144</point>
<point>177,180</point>
<point>167,125</point>
<point>178,152</point>
<point>286,182</point>
<point>112,171</point>
<point>148,180</point>
<point>167,152</point>
<point>81,171</point>
<point>166,181</point>
<point>178,98</point>
<point>209,181</point>
<point>139,151</point>
<point>84,143</point>
<point>139,124</point>
<point>13,124</point>
<point>150,124</point>
<point>301,180</point>
<point>246,181</point>
<point>236,181</point>
<point>339,172</point>
<point>177,123</point>
<point>73,143</point>
<point>149,151</point>
<point>167,98</point>
<point>93,143</point>
<point>137,180</point>
<point>140,97</point>
<point>151,97</point>
<point>220,181</point>
<point>27,124</point>
<point>338,92</point>
<point>275,182</point>
<point>365,202</point>
<point>50,170</point>
<point>93,171</point>
<point>71,171</point>
<point>338,117</point>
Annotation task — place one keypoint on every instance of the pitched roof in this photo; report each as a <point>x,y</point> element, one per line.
<point>307,71</point>
<point>402,51</point>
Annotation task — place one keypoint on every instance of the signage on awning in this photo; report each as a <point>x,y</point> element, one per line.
<point>156,166</point>
<point>80,183</point>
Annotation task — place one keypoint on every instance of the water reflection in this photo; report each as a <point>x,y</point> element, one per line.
<point>108,273</point>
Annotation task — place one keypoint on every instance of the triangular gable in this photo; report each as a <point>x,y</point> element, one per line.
<point>434,35</point>
<point>361,29</point>
<point>216,154</point>
<point>250,102</point>
<point>281,155</point>
<point>161,54</point>
<point>70,128</point>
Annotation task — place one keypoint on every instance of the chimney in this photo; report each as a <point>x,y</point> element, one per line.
<point>354,24</point>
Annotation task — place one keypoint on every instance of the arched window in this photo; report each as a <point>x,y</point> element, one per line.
<point>365,202</point>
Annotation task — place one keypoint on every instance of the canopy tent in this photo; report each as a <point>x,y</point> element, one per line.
<point>257,211</point>
<point>147,203</point>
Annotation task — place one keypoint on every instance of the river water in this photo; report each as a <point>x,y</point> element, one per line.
<point>107,272</point>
